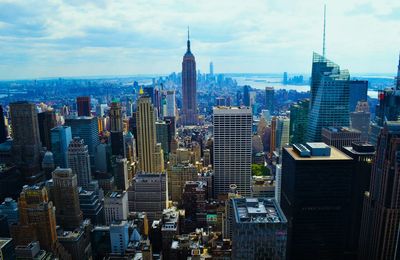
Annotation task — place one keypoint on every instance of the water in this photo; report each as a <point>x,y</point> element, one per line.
<point>260,82</point>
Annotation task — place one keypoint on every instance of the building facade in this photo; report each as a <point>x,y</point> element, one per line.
<point>232,149</point>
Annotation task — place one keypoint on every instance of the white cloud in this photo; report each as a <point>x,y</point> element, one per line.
<point>65,38</point>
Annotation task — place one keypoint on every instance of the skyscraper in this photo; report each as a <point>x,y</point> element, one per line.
<point>61,136</point>
<point>3,130</point>
<point>298,121</point>
<point>259,229</point>
<point>46,121</point>
<point>189,104</point>
<point>115,206</point>
<point>381,212</point>
<point>232,149</point>
<point>86,128</point>
<point>146,139</point>
<point>211,68</point>
<point>316,191</point>
<point>360,119</point>
<point>246,95</point>
<point>26,139</point>
<point>66,199</point>
<point>269,99</point>
<point>79,161</point>
<point>116,117</point>
<point>358,92</point>
<point>148,193</point>
<point>171,103</point>
<point>329,103</point>
<point>121,173</point>
<point>281,132</point>
<point>83,106</point>
<point>37,220</point>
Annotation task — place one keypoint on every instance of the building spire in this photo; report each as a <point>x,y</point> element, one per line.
<point>188,40</point>
<point>323,37</point>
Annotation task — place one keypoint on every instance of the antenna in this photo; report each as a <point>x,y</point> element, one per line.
<point>323,38</point>
<point>188,34</point>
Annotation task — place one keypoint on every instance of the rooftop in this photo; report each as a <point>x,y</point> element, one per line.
<point>335,154</point>
<point>257,210</point>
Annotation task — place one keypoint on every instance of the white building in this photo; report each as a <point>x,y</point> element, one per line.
<point>232,149</point>
<point>171,103</point>
<point>115,206</point>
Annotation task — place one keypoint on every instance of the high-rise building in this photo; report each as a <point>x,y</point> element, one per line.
<point>119,237</point>
<point>360,119</point>
<point>26,145</point>
<point>232,149</point>
<point>46,121</point>
<point>259,229</point>
<point>120,168</point>
<point>83,106</point>
<point>298,121</point>
<point>61,136</point>
<point>79,161</point>
<point>358,92</point>
<point>117,143</point>
<point>162,136</point>
<point>340,136</point>
<point>388,109</point>
<point>115,206</point>
<point>91,206</point>
<point>86,128</point>
<point>316,187</point>
<point>194,199</point>
<point>211,68</point>
<point>37,220</point>
<point>269,99</point>
<point>66,199</point>
<point>148,193</point>
<point>116,117</point>
<point>3,129</point>
<point>282,132</point>
<point>381,211</point>
<point>246,95</point>
<point>149,159</point>
<point>329,103</point>
<point>171,103</point>
<point>189,104</point>
<point>178,175</point>
<point>363,155</point>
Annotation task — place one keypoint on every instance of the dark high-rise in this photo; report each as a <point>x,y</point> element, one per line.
<point>83,106</point>
<point>358,92</point>
<point>362,154</point>
<point>381,211</point>
<point>66,198</point>
<point>26,139</point>
<point>246,95</point>
<point>316,192</point>
<point>189,104</point>
<point>3,130</point>
<point>269,99</point>
<point>46,122</point>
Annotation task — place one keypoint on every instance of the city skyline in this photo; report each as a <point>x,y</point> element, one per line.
<point>74,38</point>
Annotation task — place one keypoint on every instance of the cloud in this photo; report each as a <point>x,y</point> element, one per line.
<point>76,37</point>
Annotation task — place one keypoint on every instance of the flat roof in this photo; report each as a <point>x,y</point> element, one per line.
<point>257,210</point>
<point>335,154</point>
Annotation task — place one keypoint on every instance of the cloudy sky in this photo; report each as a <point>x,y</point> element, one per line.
<point>52,38</point>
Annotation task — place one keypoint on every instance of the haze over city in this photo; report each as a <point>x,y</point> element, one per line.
<point>93,38</point>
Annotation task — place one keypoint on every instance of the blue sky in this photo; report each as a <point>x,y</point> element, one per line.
<point>51,38</point>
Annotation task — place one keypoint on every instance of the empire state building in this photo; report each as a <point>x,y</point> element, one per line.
<point>189,104</point>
